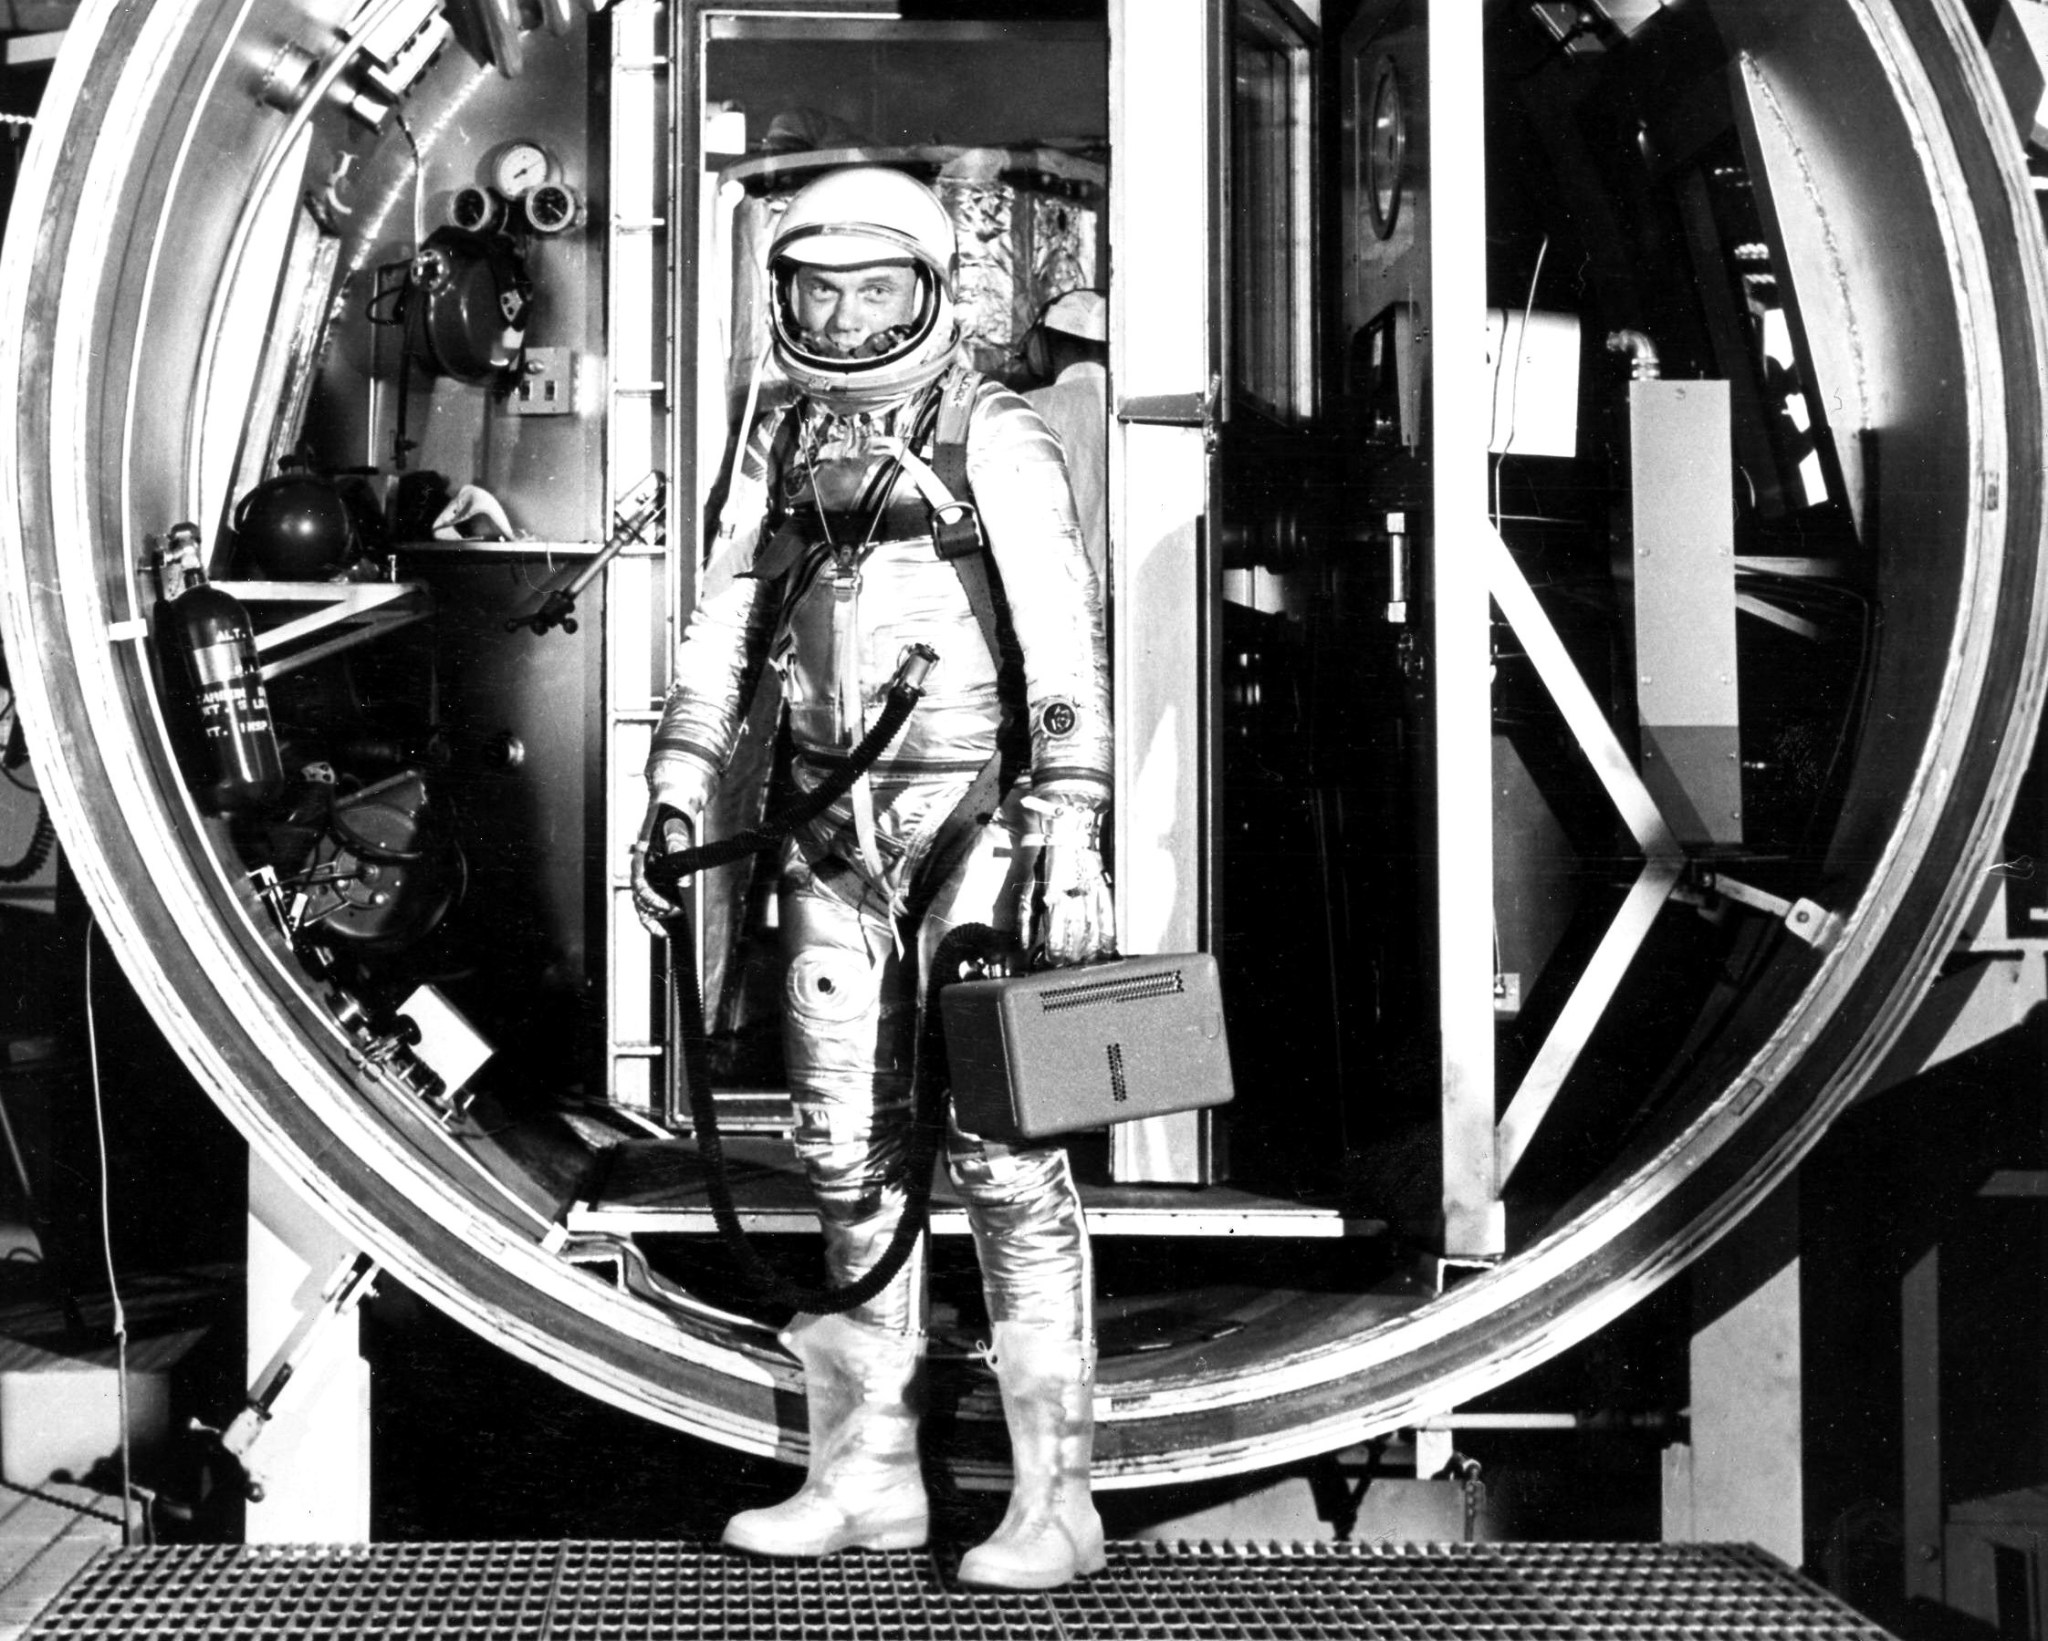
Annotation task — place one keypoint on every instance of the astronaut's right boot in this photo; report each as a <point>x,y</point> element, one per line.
<point>864,1488</point>
<point>1037,1276</point>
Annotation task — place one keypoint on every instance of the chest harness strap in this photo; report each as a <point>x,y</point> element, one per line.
<point>958,539</point>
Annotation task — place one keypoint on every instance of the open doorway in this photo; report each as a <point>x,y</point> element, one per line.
<point>1008,122</point>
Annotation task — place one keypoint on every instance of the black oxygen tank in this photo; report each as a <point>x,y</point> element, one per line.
<point>206,646</point>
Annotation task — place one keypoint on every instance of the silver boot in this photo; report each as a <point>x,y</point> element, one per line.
<point>1051,1534</point>
<point>864,1488</point>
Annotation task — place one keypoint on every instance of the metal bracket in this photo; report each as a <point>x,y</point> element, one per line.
<point>335,616</point>
<point>1805,919</point>
<point>1203,410</point>
<point>1440,1271</point>
<point>349,1285</point>
<point>1434,1450</point>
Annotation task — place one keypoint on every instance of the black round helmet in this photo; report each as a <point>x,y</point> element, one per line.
<point>295,527</point>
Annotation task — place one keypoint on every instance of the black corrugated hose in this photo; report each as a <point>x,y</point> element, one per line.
<point>40,843</point>
<point>969,942</point>
<point>666,874</point>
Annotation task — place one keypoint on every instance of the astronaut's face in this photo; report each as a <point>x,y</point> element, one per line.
<point>842,311</point>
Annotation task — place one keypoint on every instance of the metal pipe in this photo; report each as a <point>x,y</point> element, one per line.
<point>1644,364</point>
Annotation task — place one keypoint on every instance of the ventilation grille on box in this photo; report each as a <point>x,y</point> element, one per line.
<point>1115,988</point>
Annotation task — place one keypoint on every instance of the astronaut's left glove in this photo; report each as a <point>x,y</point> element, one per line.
<point>1066,915</point>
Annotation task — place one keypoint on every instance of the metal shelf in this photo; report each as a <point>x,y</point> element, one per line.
<point>299,622</point>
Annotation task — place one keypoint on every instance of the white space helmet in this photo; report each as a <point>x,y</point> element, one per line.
<point>850,219</point>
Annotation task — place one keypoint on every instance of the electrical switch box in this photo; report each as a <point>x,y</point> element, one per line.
<point>547,385</point>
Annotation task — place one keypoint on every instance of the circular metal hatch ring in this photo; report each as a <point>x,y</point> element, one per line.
<point>101,343</point>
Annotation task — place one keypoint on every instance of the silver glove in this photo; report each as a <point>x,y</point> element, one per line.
<point>1066,914</point>
<point>679,832</point>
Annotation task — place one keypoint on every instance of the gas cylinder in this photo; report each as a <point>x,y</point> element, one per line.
<point>206,645</point>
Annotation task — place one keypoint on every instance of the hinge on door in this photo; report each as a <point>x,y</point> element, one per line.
<point>1177,410</point>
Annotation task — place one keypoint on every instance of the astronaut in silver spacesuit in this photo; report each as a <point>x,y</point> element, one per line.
<point>826,568</point>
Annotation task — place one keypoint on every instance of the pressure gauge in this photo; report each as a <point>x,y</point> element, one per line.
<point>552,208</point>
<point>480,210</point>
<point>1383,161</point>
<point>519,166</point>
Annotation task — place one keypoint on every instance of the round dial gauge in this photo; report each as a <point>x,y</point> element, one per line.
<point>1385,143</point>
<point>517,167</point>
<point>477,209</point>
<point>552,208</point>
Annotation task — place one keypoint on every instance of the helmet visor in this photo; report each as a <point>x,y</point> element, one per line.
<point>850,245</point>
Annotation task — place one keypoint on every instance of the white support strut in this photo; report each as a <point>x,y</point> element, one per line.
<point>1582,714</point>
<point>1582,1012</point>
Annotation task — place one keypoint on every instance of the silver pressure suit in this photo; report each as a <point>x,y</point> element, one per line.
<point>826,570</point>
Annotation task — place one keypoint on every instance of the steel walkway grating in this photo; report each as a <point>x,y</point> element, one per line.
<point>667,1592</point>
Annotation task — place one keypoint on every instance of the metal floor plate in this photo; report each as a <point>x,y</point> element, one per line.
<point>658,1591</point>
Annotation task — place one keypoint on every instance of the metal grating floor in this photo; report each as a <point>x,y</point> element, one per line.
<point>657,1591</point>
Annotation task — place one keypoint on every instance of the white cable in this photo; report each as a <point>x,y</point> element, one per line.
<point>419,175</point>
<point>99,1115</point>
<point>1515,375</point>
<point>746,433</point>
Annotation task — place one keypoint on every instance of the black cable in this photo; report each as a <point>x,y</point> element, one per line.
<point>665,873</point>
<point>930,1089</point>
<point>72,1505</point>
<point>968,943</point>
<point>400,444</point>
<point>15,752</point>
<point>99,1116</point>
